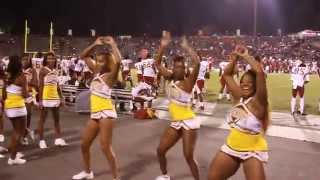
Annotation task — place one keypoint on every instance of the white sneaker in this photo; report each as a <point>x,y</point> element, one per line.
<point>1,138</point>
<point>60,142</point>
<point>43,144</point>
<point>83,175</point>
<point>25,141</point>
<point>2,156</point>
<point>163,177</point>
<point>19,155</point>
<point>16,161</point>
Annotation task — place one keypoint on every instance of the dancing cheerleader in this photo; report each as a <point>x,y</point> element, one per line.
<point>2,82</point>
<point>105,66</point>
<point>183,123</point>
<point>248,120</point>
<point>14,95</point>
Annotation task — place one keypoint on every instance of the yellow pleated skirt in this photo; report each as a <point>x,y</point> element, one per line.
<point>241,141</point>
<point>180,112</point>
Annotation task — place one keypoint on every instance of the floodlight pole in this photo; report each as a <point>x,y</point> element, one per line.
<point>255,17</point>
<point>51,36</point>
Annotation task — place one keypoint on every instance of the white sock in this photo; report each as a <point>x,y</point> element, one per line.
<point>293,104</point>
<point>194,101</point>
<point>201,104</point>
<point>220,96</point>
<point>228,96</point>
<point>302,105</point>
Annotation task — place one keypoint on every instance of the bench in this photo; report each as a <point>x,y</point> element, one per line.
<point>121,96</point>
<point>70,92</point>
<point>80,98</point>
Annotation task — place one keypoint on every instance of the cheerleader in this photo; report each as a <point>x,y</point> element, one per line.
<point>183,123</point>
<point>248,120</point>
<point>32,80</point>
<point>105,67</point>
<point>50,99</point>
<point>14,95</point>
<point>2,138</point>
<point>2,80</point>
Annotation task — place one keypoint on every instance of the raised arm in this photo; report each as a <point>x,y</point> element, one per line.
<point>261,87</point>
<point>85,55</point>
<point>115,67</point>
<point>191,80</point>
<point>164,42</point>
<point>228,74</point>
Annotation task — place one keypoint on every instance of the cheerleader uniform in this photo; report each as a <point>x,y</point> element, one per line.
<point>14,105</point>
<point>1,92</point>
<point>50,95</point>
<point>246,139</point>
<point>180,110</point>
<point>100,100</point>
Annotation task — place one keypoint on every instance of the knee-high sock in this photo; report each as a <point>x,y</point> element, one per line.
<point>293,104</point>
<point>302,104</point>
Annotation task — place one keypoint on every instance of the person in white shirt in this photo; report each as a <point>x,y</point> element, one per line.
<point>64,64</point>
<point>148,71</point>
<point>79,66</point>
<point>37,62</point>
<point>148,68</point>
<point>125,70</point>
<point>138,67</point>
<point>223,90</point>
<point>199,86</point>
<point>299,77</point>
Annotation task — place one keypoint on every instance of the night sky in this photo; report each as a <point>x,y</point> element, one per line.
<point>151,16</point>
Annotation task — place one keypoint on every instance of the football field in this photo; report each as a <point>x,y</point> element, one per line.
<point>279,91</point>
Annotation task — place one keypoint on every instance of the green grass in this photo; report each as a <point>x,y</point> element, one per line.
<point>279,91</point>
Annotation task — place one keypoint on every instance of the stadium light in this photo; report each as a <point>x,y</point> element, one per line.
<point>70,32</point>
<point>255,17</point>
<point>93,32</point>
